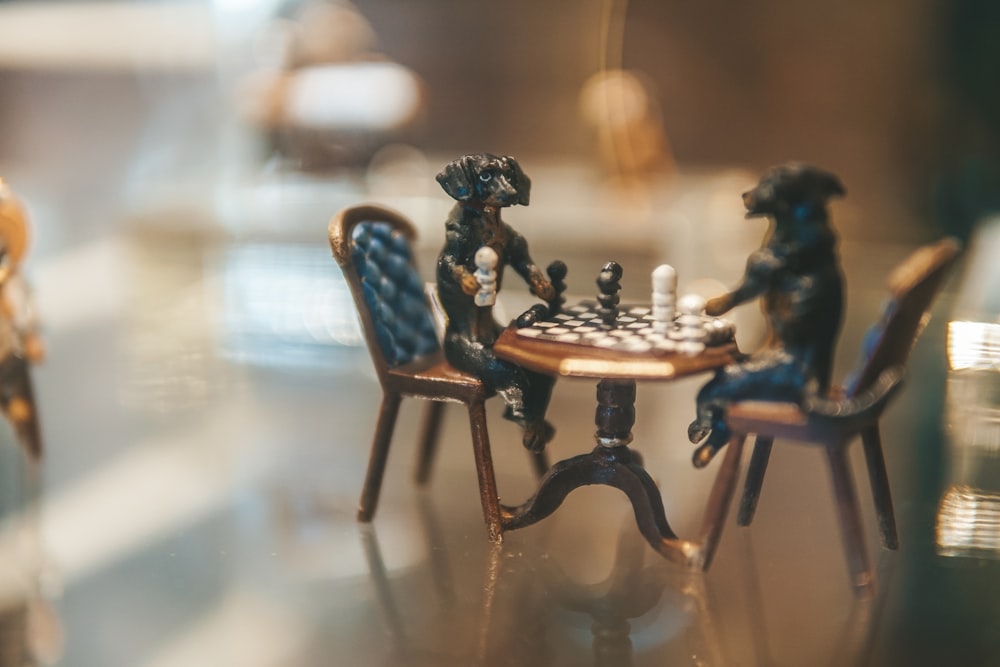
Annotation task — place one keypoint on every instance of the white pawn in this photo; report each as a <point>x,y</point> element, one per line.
<point>486,263</point>
<point>664,297</point>
<point>692,330</point>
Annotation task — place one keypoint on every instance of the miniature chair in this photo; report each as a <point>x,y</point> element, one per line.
<point>372,246</point>
<point>833,422</point>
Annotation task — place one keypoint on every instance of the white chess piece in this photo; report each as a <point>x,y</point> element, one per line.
<point>692,330</point>
<point>664,297</point>
<point>486,263</point>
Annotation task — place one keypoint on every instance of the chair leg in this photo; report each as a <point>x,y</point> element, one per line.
<point>380,452</point>
<point>719,500</point>
<point>484,469</point>
<point>755,480</point>
<point>429,431</point>
<point>879,478</point>
<point>851,528</point>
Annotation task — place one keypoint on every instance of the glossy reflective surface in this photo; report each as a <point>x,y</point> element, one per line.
<point>208,405</point>
<point>209,413</point>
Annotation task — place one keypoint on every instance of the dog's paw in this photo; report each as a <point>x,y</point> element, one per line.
<point>718,305</point>
<point>537,434</point>
<point>543,289</point>
<point>703,455</point>
<point>697,431</point>
<point>470,285</point>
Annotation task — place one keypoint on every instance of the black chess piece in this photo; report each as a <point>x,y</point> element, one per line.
<point>537,313</point>
<point>557,271</point>
<point>608,281</point>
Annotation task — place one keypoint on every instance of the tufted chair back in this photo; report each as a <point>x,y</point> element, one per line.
<point>372,246</point>
<point>912,288</point>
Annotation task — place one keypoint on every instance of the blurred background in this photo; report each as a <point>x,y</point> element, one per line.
<point>208,402</point>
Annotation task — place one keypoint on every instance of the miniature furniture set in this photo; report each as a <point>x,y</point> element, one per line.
<point>618,345</point>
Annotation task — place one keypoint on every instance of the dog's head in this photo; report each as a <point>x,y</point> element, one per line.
<point>796,191</point>
<point>486,179</point>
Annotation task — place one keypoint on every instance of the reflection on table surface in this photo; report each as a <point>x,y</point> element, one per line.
<point>539,606</point>
<point>209,409</point>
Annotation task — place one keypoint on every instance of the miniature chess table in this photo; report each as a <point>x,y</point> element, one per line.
<point>617,357</point>
<point>575,344</point>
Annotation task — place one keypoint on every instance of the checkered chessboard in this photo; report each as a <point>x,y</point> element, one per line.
<point>634,332</point>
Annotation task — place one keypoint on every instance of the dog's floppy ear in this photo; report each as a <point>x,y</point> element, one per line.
<point>804,181</point>
<point>816,187</point>
<point>521,181</point>
<point>459,177</point>
<point>826,184</point>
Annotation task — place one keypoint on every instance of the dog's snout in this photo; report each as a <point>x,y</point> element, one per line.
<point>757,202</point>
<point>506,186</point>
<point>504,190</point>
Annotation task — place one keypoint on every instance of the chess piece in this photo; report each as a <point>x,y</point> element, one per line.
<point>482,186</point>
<point>537,313</point>
<point>692,330</point>
<point>664,297</point>
<point>719,331</point>
<point>486,261</point>
<point>532,316</point>
<point>557,271</point>
<point>608,282</point>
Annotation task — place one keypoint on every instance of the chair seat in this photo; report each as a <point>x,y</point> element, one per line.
<point>790,422</point>
<point>823,421</point>
<point>433,377</point>
<point>767,417</point>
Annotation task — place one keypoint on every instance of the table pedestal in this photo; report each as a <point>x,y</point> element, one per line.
<point>611,463</point>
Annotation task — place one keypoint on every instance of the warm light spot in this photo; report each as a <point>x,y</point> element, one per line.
<point>973,345</point>
<point>617,369</point>
<point>968,523</point>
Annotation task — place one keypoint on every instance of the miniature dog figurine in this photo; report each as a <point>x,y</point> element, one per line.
<point>483,184</point>
<point>798,278</point>
<point>20,344</point>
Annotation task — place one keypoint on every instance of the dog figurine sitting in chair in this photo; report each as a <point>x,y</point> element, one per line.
<point>483,184</point>
<point>798,278</point>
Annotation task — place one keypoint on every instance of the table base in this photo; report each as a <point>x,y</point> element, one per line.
<point>613,464</point>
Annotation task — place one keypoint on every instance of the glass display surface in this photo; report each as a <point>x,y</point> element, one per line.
<point>208,404</point>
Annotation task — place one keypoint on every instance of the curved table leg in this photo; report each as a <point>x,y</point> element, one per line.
<point>611,463</point>
<point>609,466</point>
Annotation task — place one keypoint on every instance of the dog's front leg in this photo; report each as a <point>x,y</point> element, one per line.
<point>761,266</point>
<point>520,260</point>
<point>540,285</point>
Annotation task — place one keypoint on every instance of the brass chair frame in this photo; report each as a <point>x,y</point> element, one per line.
<point>429,377</point>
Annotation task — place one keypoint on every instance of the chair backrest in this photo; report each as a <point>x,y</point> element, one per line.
<point>912,288</point>
<point>373,247</point>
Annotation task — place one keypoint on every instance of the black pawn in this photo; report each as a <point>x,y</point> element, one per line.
<point>557,276</point>
<point>608,281</point>
<point>530,317</point>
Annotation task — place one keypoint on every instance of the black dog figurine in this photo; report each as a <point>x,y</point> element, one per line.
<point>483,184</point>
<point>798,278</point>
